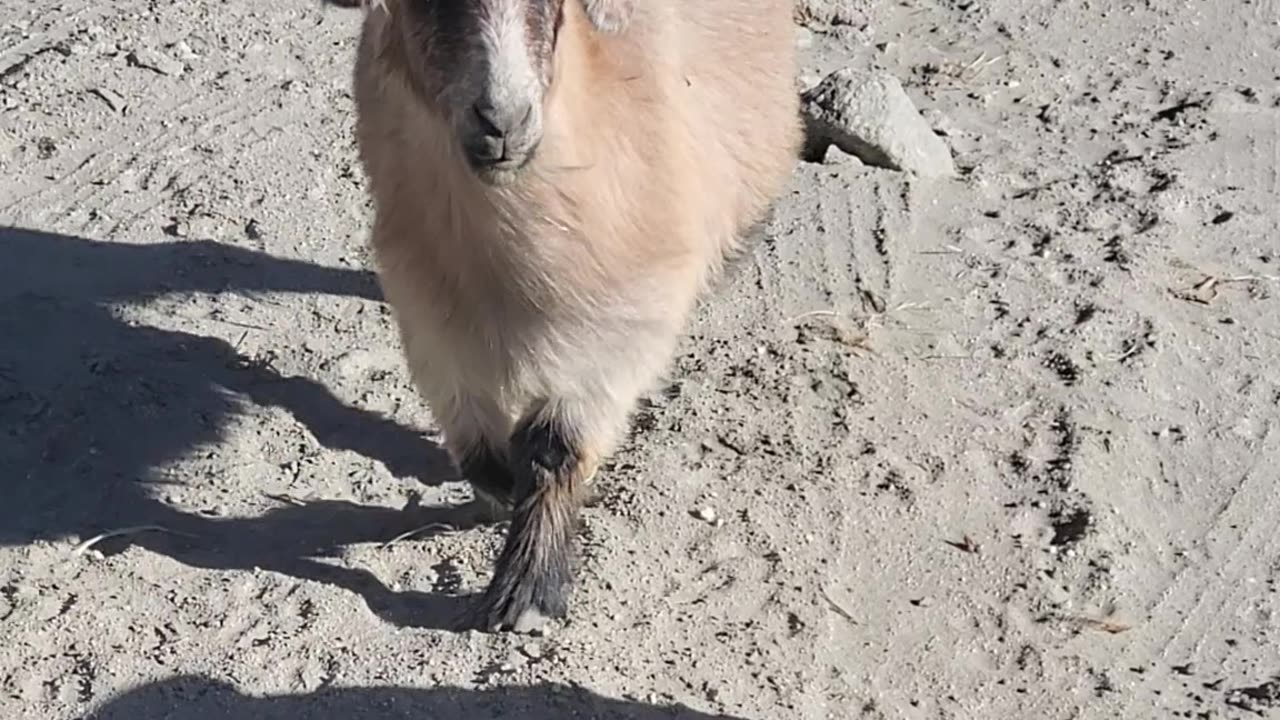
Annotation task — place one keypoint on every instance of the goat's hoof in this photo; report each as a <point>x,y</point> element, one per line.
<point>524,621</point>
<point>515,614</point>
<point>530,622</point>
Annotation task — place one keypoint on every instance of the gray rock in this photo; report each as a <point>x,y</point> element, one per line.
<point>836,156</point>
<point>156,61</point>
<point>869,115</point>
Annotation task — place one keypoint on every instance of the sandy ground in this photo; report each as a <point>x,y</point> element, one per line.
<point>1003,446</point>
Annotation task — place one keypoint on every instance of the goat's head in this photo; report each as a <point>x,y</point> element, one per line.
<point>485,66</point>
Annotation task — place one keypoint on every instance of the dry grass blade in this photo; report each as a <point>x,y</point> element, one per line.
<point>287,499</point>
<point>836,608</point>
<point>1107,625</point>
<point>925,305</point>
<point>966,544</point>
<point>812,314</point>
<point>946,250</point>
<point>962,74</point>
<point>845,330</point>
<point>976,61</point>
<point>1206,290</point>
<point>1202,292</point>
<point>134,530</point>
<point>1132,349</point>
<point>442,527</point>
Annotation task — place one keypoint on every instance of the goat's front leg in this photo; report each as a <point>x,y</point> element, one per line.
<point>475,431</point>
<point>554,455</point>
<point>489,474</point>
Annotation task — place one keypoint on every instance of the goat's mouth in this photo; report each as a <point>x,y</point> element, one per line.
<point>502,170</point>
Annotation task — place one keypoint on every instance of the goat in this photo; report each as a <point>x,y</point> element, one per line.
<point>555,183</point>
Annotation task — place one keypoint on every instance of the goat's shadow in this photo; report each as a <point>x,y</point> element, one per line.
<point>199,698</point>
<point>91,405</point>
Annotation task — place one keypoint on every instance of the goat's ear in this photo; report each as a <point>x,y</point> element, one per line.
<point>610,16</point>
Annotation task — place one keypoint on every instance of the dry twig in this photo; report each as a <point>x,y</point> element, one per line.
<point>134,530</point>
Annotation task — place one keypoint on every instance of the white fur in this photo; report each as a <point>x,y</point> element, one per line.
<point>511,72</point>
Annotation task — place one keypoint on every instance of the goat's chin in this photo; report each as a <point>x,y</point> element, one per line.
<point>498,176</point>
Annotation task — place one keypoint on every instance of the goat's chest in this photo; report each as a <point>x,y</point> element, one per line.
<point>515,284</point>
<point>496,306</point>
<point>516,303</point>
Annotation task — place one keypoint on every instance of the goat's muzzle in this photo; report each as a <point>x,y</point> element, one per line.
<point>499,140</point>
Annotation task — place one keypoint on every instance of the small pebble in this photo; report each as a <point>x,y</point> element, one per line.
<point>706,514</point>
<point>940,122</point>
<point>532,650</point>
<point>184,51</point>
<point>204,227</point>
<point>156,61</point>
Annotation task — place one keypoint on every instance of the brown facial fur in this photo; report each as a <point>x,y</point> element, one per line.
<point>553,301</point>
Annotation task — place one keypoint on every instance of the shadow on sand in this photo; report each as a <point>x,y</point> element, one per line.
<point>197,698</point>
<point>90,406</point>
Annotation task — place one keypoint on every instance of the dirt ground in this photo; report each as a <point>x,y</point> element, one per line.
<point>1001,446</point>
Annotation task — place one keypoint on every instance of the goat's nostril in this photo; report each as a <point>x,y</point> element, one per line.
<point>490,119</point>
<point>502,119</point>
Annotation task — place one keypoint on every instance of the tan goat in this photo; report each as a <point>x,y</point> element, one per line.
<point>555,182</point>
